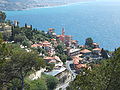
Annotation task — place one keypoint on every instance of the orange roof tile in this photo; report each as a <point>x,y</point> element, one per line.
<point>60,35</point>
<point>53,39</point>
<point>82,46</point>
<point>46,43</point>
<point>52,58</point>
<point>97,49</point>
<point>36,45</point>
<point>95,44</point>
<point>48,58</point>
<point>81,66</point>
<point>50,28</point>
<point>74,41</point>
<point>76,60</point>
<point>52,61</point>
<point>85,51</point>
<point>68,36</point>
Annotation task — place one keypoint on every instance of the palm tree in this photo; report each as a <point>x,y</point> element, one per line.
<point>2,16</point>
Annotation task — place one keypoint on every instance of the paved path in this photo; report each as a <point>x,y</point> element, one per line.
<point>68,63</point>
<point>63,86</point>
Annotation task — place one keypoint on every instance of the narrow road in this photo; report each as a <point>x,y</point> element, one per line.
<point>63,86</point>
<point>68,63</point>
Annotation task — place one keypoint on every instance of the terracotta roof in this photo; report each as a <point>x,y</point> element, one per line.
<point>52,61</point>
<point>53,39</point>
<point>42,44</point>
<point>68,36</point>
<point>82,46</point>
<point>76,60</point>
<point>81,66</point>
<point>49,58</point>
<point>52,58</point>
<point>50,28</point>
<point>36,45</point>
<point>64,36</point>
<point>74,41</point>
<point>60,35</point>
<point>97,49</point>
<point>95,44</point>
<point>46,45</point>
<point>85,51</point>
<point>46,42</point>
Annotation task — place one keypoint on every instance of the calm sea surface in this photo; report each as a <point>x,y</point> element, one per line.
<point>99,20</point>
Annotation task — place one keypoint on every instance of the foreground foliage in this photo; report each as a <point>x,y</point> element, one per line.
<point>46,82</point>
<point>105,76</point>
<point>16,63</point>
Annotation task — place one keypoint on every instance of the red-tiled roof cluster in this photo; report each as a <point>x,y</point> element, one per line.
<point>42,44</point>
<point>76,63</point>
<point>52,59</point>
<point>76,60</point>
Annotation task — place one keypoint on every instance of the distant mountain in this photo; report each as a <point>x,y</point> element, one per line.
<point>25,4</point>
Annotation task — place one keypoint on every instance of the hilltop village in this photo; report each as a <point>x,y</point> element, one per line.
<point>63,57</point>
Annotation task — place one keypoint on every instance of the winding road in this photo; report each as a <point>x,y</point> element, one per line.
<point>63,86</point>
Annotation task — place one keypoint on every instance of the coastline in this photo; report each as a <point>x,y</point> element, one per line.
<point>54,6</point>
<point>84,22</point>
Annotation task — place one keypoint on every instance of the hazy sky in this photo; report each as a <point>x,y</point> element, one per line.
<point>108,0</point>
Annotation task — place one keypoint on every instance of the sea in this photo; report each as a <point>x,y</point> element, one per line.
<point>99,20</point>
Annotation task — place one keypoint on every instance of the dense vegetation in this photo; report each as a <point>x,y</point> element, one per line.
<point>16,64</point>
<point>3,16</point>
<point>24,35</point>
<point>105,76</point>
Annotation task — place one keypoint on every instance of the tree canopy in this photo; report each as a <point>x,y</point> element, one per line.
<point>16,64</point>
<point>2,16</point>
<point>89,42</point>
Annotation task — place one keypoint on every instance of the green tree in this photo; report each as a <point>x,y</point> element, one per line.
<point>89,42</point>
<point>50,66</point>
<point>26,43</point>
<point>2,16</point>
<point>8,22</point>
<point>25,61</point>
<point>18,65</point>
<point>60,48</point>
<point>6,35</point>
<point>1,38</point>
<point>51,82</point>
<point>39,84</point>
<point>63,58</point>
<point>104,54</point>
<point>20,38</point>
<point>5,53</point>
